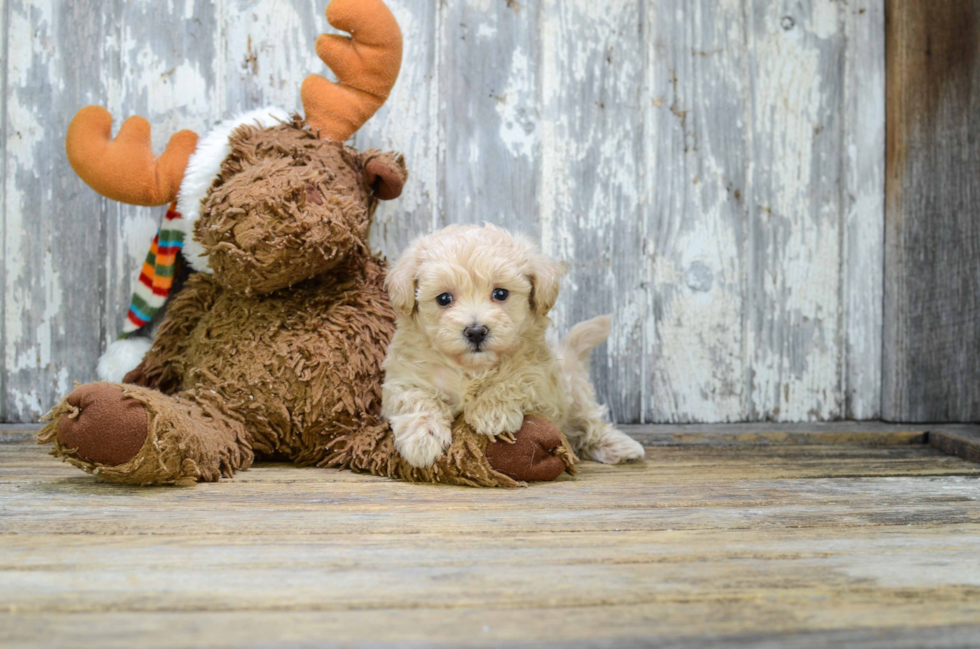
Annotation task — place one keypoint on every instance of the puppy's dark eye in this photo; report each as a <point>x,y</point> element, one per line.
<point>445,299</point>
<point>500,294</point>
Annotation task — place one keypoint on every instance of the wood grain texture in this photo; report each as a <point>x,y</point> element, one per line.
<point>932,234</point>
<point>699,545</point>
<point>960,440</point>
<point>710,171</point>
<point>267,49</point>
<point>696,159</point>
<point>53,244</point>
<point>793,241</point>
<point>490,109</point>
<point>863,207</point>
<point>592,134</point>
<point>4,56</point>
<point>629,628</point>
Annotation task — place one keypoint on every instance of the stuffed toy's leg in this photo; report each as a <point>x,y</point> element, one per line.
<point>538,453</point>
<point>135,435</point>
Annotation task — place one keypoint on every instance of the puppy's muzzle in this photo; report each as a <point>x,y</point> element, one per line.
<point>476,334</point>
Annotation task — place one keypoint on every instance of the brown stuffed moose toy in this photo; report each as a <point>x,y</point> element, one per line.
<point>273,348</point>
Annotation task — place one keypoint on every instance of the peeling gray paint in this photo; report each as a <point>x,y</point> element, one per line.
<point>4,46</point>
<point>711,170</point>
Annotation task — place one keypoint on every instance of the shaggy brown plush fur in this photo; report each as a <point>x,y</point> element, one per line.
<point>277,354</point>
<point>286,207</point>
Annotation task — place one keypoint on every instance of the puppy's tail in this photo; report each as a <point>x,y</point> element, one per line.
<point>584,337</point>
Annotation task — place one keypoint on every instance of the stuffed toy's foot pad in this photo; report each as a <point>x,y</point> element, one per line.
<point>537,455</point>
<point>105,426</point>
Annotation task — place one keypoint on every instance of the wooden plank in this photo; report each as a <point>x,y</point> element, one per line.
<point>863,206</point>
<point>52,312</point>
<point>838,433</point>
<point>80,552</point>
<point>932,234</point>
<point>961,441</point>
<point>409,123</point>
<point>327,574</point>
<point>592,139</point>
<point>489,108</point>
<point>16,435</point>
<point>713,488</point>
<point>739,465</point>
<point>32,428</point>
<point>794,329</point>
<point>4,42</point>
<point>19,429</point>
<point>673,627</point>
<point>674,460</point>
<point>696,179</point>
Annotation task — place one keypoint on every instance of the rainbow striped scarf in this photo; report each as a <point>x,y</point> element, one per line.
<point>157,277</point>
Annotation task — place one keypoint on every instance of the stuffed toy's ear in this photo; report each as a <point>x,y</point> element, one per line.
<point>400,281</point>
<point>545,278</point>
<point>385,174</point>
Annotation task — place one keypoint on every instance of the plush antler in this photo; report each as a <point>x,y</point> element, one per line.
<point>366,65</point>
<point>125,169</point>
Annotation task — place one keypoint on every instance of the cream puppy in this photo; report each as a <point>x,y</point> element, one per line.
<point>472,305</point>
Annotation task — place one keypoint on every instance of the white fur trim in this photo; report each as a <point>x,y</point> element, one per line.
<point>122,357</point>
<point>202,169</point>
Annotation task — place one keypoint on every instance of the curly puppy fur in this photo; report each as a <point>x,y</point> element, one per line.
<point>484,354</point>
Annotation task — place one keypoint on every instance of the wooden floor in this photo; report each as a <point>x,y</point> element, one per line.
<point>873,541</point>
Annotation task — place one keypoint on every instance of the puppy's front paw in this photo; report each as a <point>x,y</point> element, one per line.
<point>422,440</point>
<point>616,447</point>
<point>494,421</point>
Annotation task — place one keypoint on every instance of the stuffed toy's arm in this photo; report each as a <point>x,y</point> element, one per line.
<point>163,366</point>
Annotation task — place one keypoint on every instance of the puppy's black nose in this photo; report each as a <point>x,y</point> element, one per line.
<point>476,333</point>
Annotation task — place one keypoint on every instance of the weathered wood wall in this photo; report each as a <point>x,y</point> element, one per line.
<point>712,170</point>
<point>932,270</point>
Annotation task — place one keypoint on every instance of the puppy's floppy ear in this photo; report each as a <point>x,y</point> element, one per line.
<point>400,280</point>
<point>545,279</point>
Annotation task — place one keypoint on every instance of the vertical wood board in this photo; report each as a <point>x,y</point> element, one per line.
<point>696,185</point>
<point>863,208</point>
<point>4,40</point>
<point>932,229</point>
<point>793,242</point>
<point>53,244</point>
<point>592,131</point>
